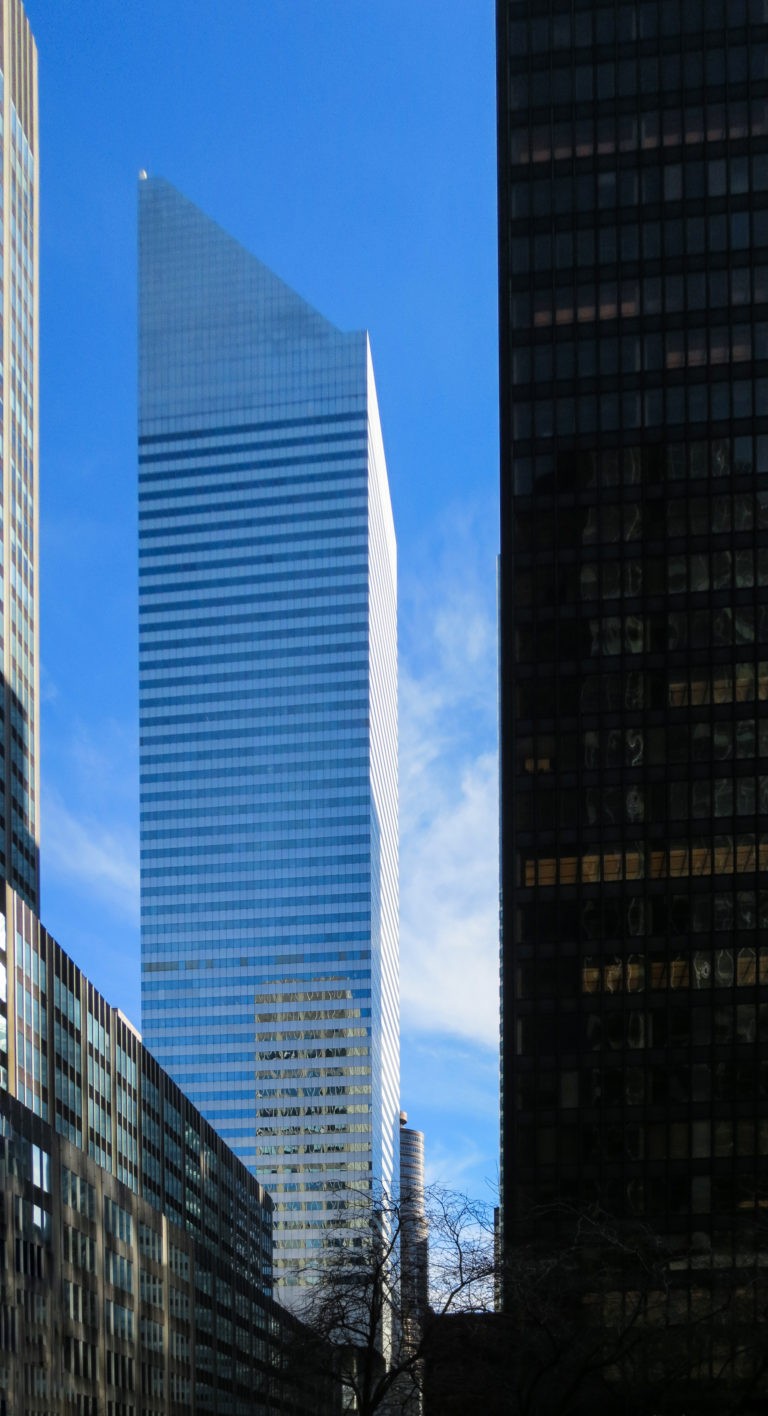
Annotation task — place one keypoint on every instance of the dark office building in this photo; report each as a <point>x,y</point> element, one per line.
<point>633,219</point>
<point>135,1248</point>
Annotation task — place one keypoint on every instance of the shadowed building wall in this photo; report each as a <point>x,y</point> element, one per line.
<point>633,221</point>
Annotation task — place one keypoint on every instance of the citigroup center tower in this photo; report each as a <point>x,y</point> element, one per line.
<point>268,680</point>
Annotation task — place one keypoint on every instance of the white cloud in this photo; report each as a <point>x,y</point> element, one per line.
<point>453,1165</point>
<point>448,928</point>
<point>449,803</point>
<point>80,850</point>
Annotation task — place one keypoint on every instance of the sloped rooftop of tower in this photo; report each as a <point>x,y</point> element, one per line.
<point>236,335</point>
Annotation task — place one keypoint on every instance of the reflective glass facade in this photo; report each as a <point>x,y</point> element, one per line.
<point>19,725</point>
<point>268,683</point>
<point>633,208</point>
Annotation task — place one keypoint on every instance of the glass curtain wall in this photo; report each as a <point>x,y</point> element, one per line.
<point>268,723</point>
<point>633,185</point>
<point>19,540</point>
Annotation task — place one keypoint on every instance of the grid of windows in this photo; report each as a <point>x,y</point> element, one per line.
<point>86,1248</point>
<point>634,604</point>
<point>268,719</point>
<point>19,632</point>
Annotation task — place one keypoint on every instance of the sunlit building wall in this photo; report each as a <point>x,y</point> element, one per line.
<point>19,331</point>
<point>268,685</point>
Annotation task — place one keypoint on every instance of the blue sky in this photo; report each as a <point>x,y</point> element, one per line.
<point>350,144</point>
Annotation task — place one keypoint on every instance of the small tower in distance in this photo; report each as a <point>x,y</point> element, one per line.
<point>414,1228</point>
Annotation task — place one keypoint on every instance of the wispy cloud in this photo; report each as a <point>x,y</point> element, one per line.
<point>450,1089</point>
<point>83,851</point>
<point>89,828</point>
<point>454,1165</point>
<point>103,766</point>
<point>449,931</point>
<point>449,796</point>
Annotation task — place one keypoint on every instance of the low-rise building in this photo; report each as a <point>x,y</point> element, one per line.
<point>135,1248</point>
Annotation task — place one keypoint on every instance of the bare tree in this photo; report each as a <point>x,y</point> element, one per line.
<point>600,1317</point>
<point>358,1314</point>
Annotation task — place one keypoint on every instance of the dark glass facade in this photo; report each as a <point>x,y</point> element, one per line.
<point>633,210</point>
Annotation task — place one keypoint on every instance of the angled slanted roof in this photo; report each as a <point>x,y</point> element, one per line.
<point>217,328</point>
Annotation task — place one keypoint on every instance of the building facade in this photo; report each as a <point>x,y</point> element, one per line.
<point>268,683</point>
<point>414,1226</point>
<point>136,1250</point>
<point>19,326</point>
<point>633,219</point>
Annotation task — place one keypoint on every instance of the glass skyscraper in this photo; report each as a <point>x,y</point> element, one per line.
<point>268,682</point>
<point>633,218</point>
<point>19,336</point>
